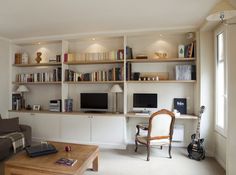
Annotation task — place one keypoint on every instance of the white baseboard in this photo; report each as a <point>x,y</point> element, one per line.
<point>221,162</point>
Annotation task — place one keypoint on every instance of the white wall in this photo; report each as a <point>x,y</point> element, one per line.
<point>4,76</point>
<point>220,149</point>
<point>207,89</point>
<point>231,142</point>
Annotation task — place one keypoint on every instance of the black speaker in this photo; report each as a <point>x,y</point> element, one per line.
<point>136,75</point>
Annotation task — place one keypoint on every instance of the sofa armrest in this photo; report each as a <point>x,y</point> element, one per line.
<point>27,131</point>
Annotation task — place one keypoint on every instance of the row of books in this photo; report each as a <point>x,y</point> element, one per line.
<point>53,76</point>
<point>114,74</point>
<point>185,72</point>
<point>97,56</point>
<point>189,50</point>
<point>68,105</point>
<point>16,101</point>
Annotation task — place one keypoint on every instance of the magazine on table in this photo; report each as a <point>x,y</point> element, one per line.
<point>66,161</point>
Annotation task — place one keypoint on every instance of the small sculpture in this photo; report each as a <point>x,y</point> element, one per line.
<point>67,148</point>
<point>161,54</point>
<point>38,58</point>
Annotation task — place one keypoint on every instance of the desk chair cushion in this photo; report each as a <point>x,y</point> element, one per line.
<point>143,139</point>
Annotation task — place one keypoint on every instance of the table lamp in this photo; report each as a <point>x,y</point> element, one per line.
<point>116,89</point>
<point>22,89</point>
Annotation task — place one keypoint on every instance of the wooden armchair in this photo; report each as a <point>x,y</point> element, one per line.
<point>160,131</point>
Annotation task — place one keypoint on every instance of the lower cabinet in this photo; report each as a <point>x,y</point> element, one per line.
<point>105,131</point>
<point>75,128</point>
<point>108,130</point>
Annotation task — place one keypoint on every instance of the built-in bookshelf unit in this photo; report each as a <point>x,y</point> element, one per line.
<point>43,79</point>
<point>138,62</point>
<point>144,62</point>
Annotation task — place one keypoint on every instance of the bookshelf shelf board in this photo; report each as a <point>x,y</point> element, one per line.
<point>92,82</point>
<point>163,81</point>
<point>160,60</point>
<point>94,62</point>
<point>75,113</point>
<point>38,64</point>
<point>38,83</point>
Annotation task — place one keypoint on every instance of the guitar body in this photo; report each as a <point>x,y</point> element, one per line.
<point>195,149</point>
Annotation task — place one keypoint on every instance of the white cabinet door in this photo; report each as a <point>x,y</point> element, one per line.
<point>75,128</point>
<point>108,130</point>
<point>46,126</point>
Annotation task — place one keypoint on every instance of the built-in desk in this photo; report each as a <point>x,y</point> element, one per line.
<point>184,127</point>
<point>186,116</point>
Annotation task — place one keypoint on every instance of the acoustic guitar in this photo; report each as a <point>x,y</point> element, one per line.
<point>195,148</point>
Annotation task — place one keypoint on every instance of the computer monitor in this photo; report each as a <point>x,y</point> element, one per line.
<point>144,101</point>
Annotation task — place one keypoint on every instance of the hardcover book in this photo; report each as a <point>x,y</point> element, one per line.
<point>180,104</point>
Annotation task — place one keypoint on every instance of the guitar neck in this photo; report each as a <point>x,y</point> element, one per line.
<point>198,127</point>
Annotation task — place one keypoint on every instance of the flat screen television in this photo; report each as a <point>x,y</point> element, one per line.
<point>144,101</point>
<point>97,102</point>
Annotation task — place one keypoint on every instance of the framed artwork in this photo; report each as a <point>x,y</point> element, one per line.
<point>181,51</point>
<point>36,107</point>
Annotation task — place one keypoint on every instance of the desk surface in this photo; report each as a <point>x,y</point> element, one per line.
<point>186,116</point>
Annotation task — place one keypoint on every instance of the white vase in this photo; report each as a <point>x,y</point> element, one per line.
<point>25,58</point>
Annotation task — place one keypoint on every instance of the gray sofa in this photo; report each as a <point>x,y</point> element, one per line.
<point>12,125</point>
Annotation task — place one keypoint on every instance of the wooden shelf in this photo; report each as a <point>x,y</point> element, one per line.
<point>185,116</point>
<point>38,83</point>
<point>94,62</point>
<point>38,64</point>
<point>92,82</point>
<point>74,113</point>
<point>162,81</point>
<point>160,60</point>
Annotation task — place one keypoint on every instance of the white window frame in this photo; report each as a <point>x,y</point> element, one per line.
<point>220,130</point>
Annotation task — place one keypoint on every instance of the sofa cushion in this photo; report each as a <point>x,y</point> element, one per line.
<point>9,125</point>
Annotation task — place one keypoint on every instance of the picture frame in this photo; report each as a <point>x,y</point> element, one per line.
<point>181,51</point>
<point>36,107</point>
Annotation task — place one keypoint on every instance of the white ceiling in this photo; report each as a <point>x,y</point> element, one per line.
<point>36,18</point>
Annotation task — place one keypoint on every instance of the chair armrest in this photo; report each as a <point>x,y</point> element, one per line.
<point>142,127</point>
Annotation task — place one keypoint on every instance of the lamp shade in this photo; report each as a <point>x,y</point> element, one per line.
<point>116,88</point>
<point>222,11</point>
<point>22,88</point>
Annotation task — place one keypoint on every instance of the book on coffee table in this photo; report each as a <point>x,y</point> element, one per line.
<point>66,161</point>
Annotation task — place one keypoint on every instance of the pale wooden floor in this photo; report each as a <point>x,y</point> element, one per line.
<point>127,162</point>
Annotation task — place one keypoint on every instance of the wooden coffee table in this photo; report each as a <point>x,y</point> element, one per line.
<point>86,156</point>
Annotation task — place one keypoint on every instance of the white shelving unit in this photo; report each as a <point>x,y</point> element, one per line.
<point>145,44</point>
